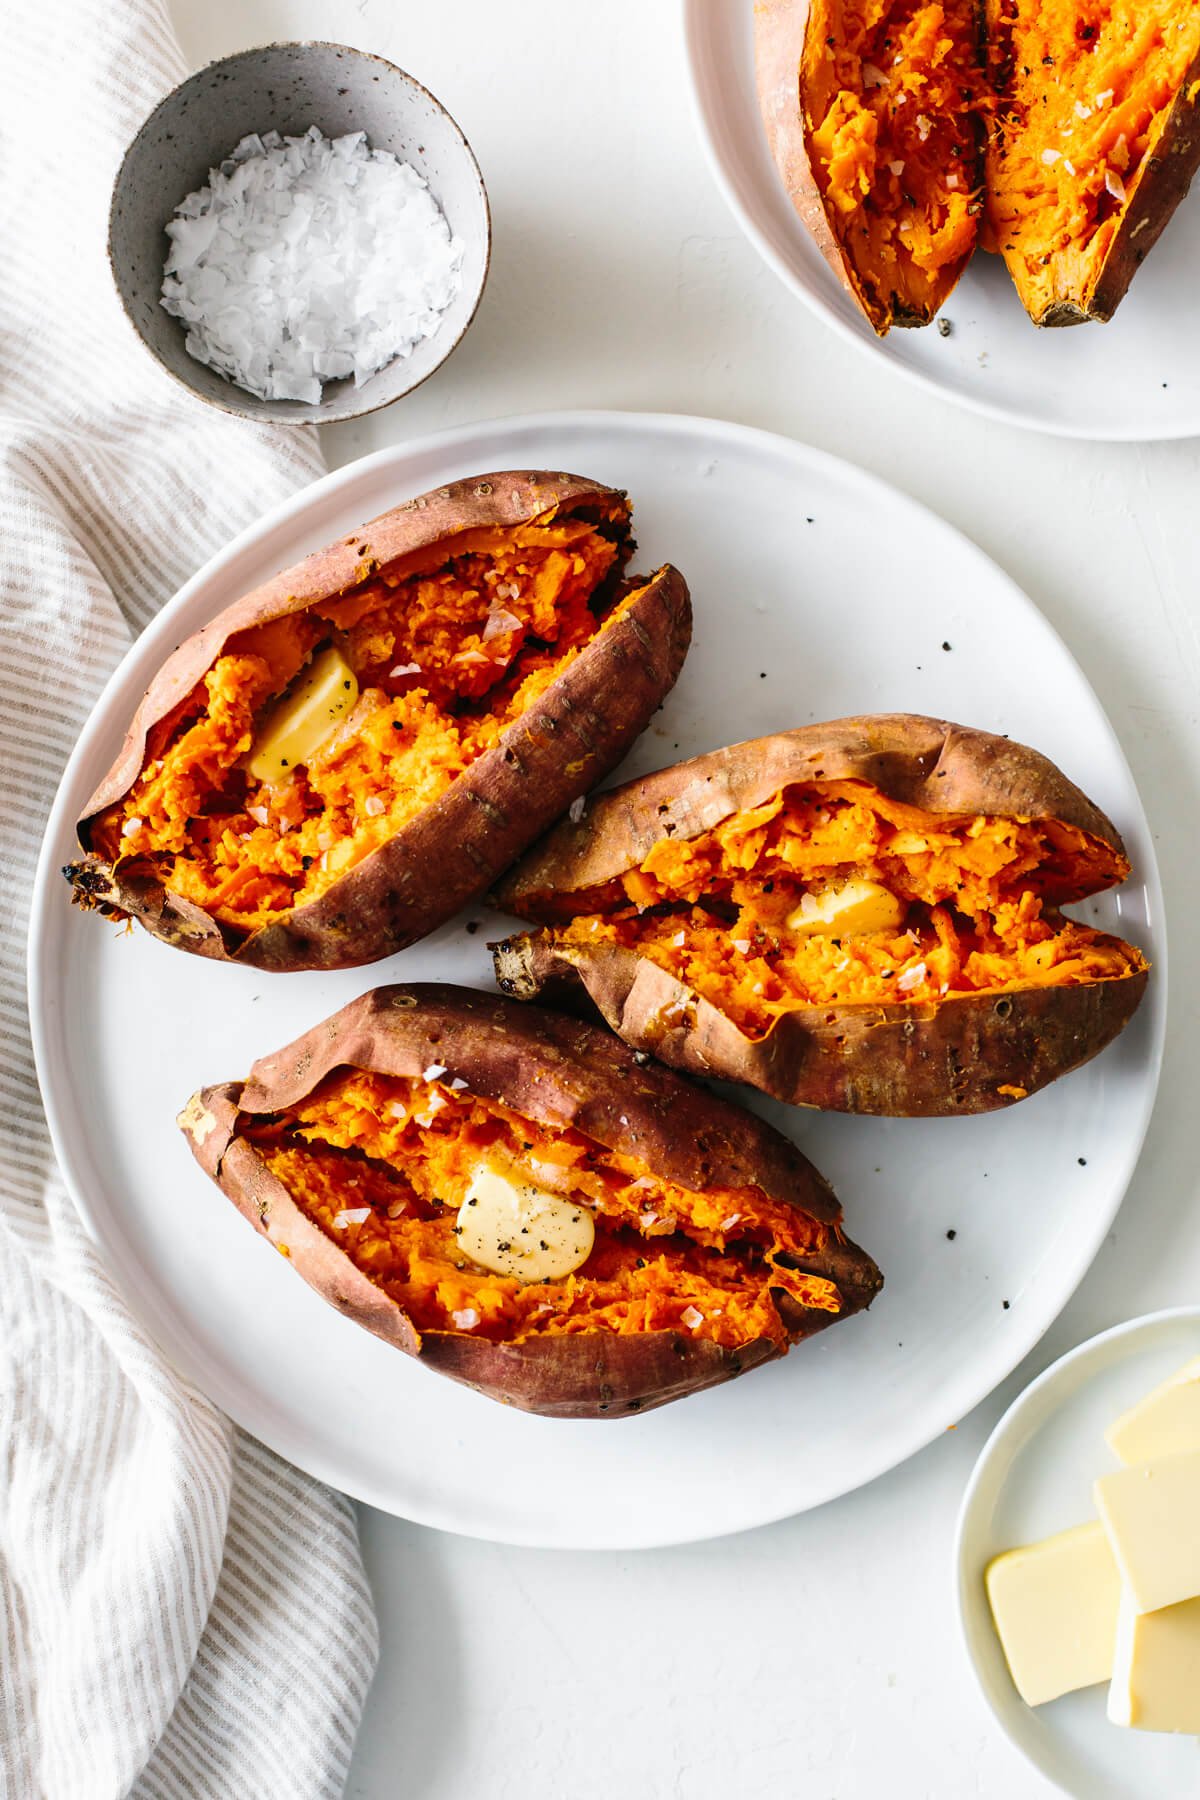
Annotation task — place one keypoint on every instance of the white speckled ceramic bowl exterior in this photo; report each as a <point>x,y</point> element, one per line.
<point>287,88</point>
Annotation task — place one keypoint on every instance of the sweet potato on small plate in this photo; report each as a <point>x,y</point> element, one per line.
<point>862,916</point>
<point>345,756</point>
<point>527,1205</point>
<point>906,133</point>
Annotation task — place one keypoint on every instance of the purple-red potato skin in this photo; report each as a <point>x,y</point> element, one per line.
<point>574,734</point>
<point>903,1059</point>
<point>564,1074</point>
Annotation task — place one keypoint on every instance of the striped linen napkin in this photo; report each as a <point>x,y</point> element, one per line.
<point>181,1614</point>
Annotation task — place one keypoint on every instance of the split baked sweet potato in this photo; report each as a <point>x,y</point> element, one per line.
<point>1062,133</point>
<point>872,114</point>
<point>1095,140</point>
<point>862,916</point>
<point>527,1205</point>
<point>347,755</point>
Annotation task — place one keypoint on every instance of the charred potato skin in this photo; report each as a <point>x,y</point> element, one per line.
<point>573,735</point>
<point>564,1073</point>
<point>970,1054</point>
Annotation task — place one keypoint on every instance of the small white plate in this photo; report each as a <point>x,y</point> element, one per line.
<point>818,591</point>
<point>1136,378</point>
<point>1034,1477</point>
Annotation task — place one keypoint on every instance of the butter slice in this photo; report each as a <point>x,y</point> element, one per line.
<point>305,715</point>
<point>855,908</point>
<point>1165,1423</point>
<point>1055,1606</point>
<point>514,1227</point>
<point>1156,1671</point>
<point>1151,1513</point>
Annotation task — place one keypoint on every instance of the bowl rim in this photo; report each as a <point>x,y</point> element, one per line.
<point>233,408</point>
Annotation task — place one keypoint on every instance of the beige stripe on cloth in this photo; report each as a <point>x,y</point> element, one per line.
<point>181,1614</point>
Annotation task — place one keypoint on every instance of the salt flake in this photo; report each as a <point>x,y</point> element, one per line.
<point>304,260</point>
<point>351,1215</point>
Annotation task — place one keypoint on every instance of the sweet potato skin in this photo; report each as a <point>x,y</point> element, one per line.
<point>969,1054</point>
<point>779,29</point>
<point>1165,183</point>
<point>563,1073</point>
<point>568,739</point>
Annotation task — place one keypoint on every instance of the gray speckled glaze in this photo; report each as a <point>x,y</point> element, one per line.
<point>287,88</point>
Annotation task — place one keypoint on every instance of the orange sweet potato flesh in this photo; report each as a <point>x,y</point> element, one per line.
<point>1095,142</point>
<point>717,1245</point>
<point>504,665</point>
<point>878,115</point>
<point>670,904</point>
<point>873,116</point>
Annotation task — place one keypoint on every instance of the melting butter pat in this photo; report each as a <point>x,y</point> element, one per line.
<point>303,717</point>
<point>1156,1672</point>
<point>1165,1423</point>
<point>514,1227</point>
<point>1055,1607</point>
<point>856,907</point>
<point>1151,1513</point>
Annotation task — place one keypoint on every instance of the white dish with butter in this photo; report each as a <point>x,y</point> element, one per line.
<point>1035,1478</point>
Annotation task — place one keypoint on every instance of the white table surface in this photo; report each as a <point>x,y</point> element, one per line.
<point>817,1658</point>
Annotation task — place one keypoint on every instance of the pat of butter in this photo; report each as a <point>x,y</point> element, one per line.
<point>304,716</point>
<point>855,906</point>
<point>1055,1606</point>
<point>1156,1673</point>
<point>1151,1513</point>
<point>1165,1423</point>
<point>514,1227</point>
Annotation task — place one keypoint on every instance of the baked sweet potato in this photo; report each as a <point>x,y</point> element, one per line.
<point>375,1151</point>
<point>862,916</point>
<point>1095,140</point>
<point>872,116</point>
<point>347,755</point>
<point>878,120</point>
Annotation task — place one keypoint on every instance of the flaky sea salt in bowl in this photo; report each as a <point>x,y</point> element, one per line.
<point>309,92</point>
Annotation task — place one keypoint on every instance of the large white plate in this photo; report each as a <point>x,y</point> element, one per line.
<point>1137,377</point>
<point>1034,1477</point>
<point>818,592</point>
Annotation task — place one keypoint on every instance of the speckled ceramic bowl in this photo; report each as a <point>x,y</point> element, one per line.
<point>287,88</point>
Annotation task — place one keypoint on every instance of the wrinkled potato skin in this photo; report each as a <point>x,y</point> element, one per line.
<point>905,1060</point>
<point>562,1073</point>
<point>567,741</point>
